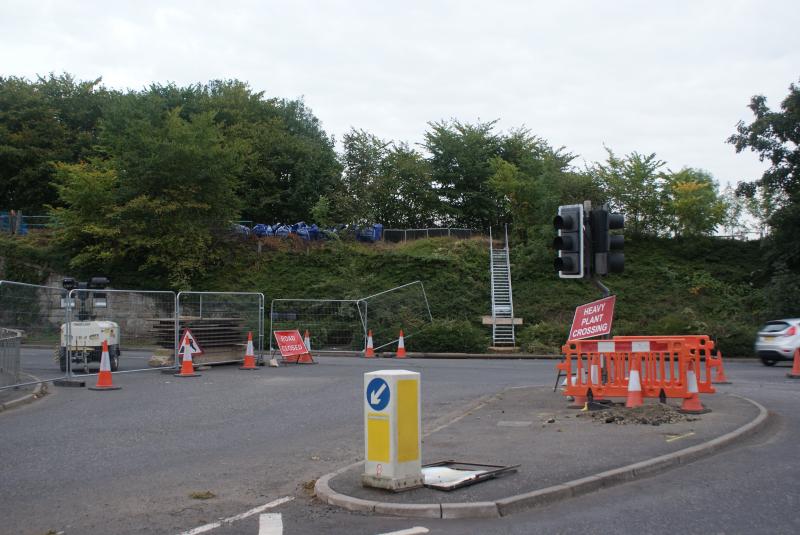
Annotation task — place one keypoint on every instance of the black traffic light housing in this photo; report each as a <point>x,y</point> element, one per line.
<point>571,260</point>
<point>607,255</point>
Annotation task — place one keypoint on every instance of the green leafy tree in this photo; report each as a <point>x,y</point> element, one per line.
<point>402,195</point>
<point>775,137</point>
<point>534,179</point>
<point>632,185</point>
<point>53,119</point>
<point>158,202</point>
<point>460,160</point>
<point>692,205</point>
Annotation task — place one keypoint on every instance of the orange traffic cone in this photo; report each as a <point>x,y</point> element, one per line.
<point>370,352</point>
<point>721,378</point>
<point>307,341</point>
<point>187,367</point>
<point>401,347</point>
<point>578,402</point>
<point>795,373</point>
<point>249,355</point>
<point>104,377</point>
<point>691,404</point>
<point>634,385</point>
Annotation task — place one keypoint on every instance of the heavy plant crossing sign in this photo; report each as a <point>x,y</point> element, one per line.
<point>593,319</point>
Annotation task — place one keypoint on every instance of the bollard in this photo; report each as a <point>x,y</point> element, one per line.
<point>392,430</point>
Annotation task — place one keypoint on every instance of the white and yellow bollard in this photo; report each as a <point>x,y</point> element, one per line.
<point>392,430</point>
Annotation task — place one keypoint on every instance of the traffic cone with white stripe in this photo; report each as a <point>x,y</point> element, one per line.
<point>634,385</point>
<point>249,355</point>
<point>307,341</point>
<point>370,352</point>
<point>401,347</point>
<point>187,366</point>
<point>691,404</point>
<point>578,402</point>
<point>795,373</point>
<point>104,381</point>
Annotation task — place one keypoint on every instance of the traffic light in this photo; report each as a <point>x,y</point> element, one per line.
<point>606,247</point>
<point>569,242</point>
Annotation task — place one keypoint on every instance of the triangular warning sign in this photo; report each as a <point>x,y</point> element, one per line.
<point>188,343</point>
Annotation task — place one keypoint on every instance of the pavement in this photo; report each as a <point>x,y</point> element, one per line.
<point>562,453</point>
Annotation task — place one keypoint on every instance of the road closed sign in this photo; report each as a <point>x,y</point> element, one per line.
<point>290,343</point>
<point>593,319</point>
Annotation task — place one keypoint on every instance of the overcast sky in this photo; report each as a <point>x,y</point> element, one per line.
<point>670,77</point>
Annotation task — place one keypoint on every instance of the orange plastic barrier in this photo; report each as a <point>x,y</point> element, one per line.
<point>601,368</point>
<point>698,344</point>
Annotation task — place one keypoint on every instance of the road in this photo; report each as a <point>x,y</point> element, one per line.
<point>127,461</point>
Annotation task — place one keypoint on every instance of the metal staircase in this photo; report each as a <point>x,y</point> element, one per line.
<point>502,302</point>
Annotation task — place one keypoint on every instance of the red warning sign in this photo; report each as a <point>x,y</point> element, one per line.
<point>290,343</point>
<point>593,319</point>
<point>188,343</point>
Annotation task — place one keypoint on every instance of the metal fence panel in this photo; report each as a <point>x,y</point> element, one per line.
<point>400,235</point>
<point>9,357</point>
<point>220,322</point>
<point>37,311</point>
<point>405,307</point>
<point>334,325</point>
<point>138,325</point>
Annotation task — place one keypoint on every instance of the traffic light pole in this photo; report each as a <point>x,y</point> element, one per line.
<point>600,286</point>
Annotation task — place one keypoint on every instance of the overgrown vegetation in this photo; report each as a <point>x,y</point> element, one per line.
<point>670,286</point>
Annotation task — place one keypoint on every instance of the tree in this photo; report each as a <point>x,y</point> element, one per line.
<point>775,137</point>
<point>692,205</point>
<point>460,160</point>
<point>533,179</point>
<point>632,186</point>
<point>158,201</point>
<point>51,120</point>
<point>403,195</point>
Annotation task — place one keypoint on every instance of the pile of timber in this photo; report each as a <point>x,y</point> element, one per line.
<point>221,339</point>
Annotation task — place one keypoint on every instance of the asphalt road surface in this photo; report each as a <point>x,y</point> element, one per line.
<point>136,460</point>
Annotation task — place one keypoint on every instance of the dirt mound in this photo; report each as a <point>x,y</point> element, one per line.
<point>655,414</point>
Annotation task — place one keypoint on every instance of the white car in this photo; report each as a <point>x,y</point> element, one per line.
<point>778,340</point>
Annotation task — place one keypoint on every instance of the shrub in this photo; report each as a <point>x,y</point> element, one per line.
<point>542,338</point>
<point>450,336</point>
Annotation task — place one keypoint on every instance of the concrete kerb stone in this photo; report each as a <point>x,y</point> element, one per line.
<point>38,392</point>
<point>475,510</point>
<point>528,500</point>
<point>412,510</point>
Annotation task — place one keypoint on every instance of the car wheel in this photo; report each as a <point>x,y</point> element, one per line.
<point>768,362</point>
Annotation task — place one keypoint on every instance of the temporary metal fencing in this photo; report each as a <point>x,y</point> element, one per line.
<point>334,325</point>
<point>397,235</point>
<point>220,321</point>
<point>341,325</point>
<point>37,312</point>
<point>9,357</point>
<point>405,307</point>
<point>140,325</point>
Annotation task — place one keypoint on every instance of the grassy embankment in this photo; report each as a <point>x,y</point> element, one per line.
<point>669,286</point>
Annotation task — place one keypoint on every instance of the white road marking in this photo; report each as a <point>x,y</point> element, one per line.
<point>416,530</point>
<point>270,524</point>
<point>251,512</point>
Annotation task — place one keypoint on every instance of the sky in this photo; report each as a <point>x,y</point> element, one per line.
<point>670,77</point>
